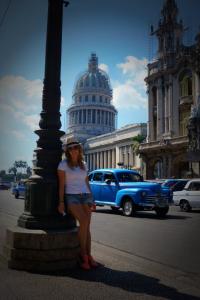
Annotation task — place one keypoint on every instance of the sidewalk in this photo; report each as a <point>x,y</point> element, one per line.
<point>121,276</point>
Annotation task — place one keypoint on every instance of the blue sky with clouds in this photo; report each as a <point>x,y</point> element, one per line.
<point>117,31</point>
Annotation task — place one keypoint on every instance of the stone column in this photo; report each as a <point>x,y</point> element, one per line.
<point>150,131</point>
<point>175,107</point>
<point>159,111</point>
<point>105,159</point>
<point>170,108</point>
<point>197,86</point>
<point>117,155</point>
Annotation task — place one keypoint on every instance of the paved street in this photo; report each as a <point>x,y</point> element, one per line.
<point>143,258</point>
<point>173,241</point>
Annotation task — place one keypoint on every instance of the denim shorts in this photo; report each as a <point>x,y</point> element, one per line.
<point>83,198</point>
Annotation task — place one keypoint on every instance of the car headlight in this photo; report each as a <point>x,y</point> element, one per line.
<point>143,194</point>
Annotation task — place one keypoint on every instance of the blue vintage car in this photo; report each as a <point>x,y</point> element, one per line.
<point>122,188</point>
<point>19,189</point>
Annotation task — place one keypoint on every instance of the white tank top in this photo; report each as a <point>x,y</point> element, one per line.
<point>74,179</point>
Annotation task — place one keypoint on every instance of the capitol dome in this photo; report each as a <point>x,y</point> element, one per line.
<point>91,112</point>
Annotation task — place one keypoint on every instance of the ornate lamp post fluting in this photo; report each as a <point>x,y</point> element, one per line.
<point>41,198</point>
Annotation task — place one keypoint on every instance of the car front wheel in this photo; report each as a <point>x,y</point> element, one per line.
<point>185,206</point>
<point>16,195</point>
<point>128,208</point>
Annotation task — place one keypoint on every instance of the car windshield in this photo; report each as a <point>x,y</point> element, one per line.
<point>169,183</point>
<point>128,177</point>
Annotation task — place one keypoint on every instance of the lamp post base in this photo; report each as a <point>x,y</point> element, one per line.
<point>41,250</point>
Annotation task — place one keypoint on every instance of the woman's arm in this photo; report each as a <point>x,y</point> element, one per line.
<point>87,183</point>
<point>61,189</point>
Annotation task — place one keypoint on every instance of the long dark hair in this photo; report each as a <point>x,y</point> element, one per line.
<point>80,158</point>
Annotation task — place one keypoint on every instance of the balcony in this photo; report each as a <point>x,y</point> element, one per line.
<point>185,100</point>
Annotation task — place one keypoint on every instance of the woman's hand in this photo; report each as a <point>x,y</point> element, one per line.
<point>61,208</point>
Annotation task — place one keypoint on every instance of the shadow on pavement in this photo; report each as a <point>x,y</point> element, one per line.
<point>144,214</point>
<point>128,281</point>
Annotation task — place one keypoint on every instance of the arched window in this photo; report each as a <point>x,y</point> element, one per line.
<point>185,88</point>
<point>185,83</point>
<point>157,172</point>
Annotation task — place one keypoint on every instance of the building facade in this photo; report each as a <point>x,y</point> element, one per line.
<point>92,120</point>
<point>115,149</point>
<point>173,86</point>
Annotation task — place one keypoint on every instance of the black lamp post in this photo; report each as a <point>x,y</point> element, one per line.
<point>43,239</point>
<point>41,198</point>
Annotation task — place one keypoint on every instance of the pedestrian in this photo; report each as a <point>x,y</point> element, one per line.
<point>75,196</point>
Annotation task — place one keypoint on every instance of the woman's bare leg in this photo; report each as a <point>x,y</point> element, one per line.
<point>88,212</point>
<point>79,213</point>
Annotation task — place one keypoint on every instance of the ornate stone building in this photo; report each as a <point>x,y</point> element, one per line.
<point>92,120</point>
<point>173,83</point>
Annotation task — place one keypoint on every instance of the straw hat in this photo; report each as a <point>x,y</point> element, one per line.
<point>71,141</point>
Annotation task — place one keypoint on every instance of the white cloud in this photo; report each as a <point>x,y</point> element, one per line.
<point>20,102</point>
<point>20,93</point>
<point>126,96</point>
<point>32,121</point>
<point>104,67</point>
<point>18,134</point>
<point>135,69</point>
<point>131,91</point>
<point>62,102</point>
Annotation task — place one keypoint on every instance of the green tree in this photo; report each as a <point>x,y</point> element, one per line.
<point>13,170</point>
<point>137,140</point>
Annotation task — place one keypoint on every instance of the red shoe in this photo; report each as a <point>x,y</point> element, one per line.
<point>92,262</point>
<point>85,262</point>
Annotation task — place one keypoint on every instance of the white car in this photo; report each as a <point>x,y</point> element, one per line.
<point>189,197</point>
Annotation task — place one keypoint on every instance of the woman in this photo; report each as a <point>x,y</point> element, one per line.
<point>75,194</point>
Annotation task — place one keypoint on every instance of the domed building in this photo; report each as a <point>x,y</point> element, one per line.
<point>92,120</point>
<point>91,112</point>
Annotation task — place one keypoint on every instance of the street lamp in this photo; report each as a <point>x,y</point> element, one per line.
<point>44,240</point>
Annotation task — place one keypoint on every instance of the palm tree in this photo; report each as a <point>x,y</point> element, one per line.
<point>137,140</point>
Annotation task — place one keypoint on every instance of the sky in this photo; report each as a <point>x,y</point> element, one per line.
<point>117,31</point>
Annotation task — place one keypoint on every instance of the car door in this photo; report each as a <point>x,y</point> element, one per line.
<point>194,194</point>
<point>109,187</point>
<point>96,183</point>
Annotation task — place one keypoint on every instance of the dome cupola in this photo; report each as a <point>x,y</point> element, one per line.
<point>91,112</point>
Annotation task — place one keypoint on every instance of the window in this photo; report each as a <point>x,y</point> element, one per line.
<point>128,177</point>
<point>109,176</point>
<point>194,186</point>
<point>98,176</point>
<point>86,98</point>
<point>183,117</point>
<point>100,99</point>
<point>93,98</point>
<point>185,81</point>
<point>90,177</point>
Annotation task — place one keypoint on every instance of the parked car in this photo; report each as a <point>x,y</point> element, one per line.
<point>19,189</point>
<point>122,188</point>
<point>189,197</point>
<point>179,185</point>
<point>4,186</point>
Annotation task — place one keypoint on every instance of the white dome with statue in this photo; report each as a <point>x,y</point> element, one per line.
<point>91,112</point>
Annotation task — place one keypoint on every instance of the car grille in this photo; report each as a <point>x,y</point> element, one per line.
<point>155,199</point>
